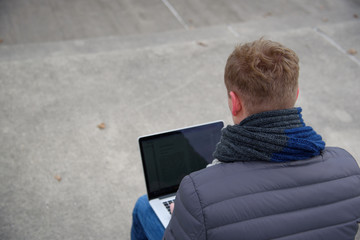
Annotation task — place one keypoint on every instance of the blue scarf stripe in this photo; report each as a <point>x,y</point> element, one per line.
<point>291,154</point>
<point>276,157</point>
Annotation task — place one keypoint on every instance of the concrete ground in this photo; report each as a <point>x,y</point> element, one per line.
<point>141,67</point>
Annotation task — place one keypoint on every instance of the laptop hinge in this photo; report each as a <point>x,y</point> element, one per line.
<point>166,196</point>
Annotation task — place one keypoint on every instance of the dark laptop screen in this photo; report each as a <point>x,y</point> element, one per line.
<point>168,157</point>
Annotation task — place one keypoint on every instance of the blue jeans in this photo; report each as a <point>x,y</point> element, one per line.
<point>146,224</point>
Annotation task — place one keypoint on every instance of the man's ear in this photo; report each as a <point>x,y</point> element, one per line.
<point>297,95</point>
<point>236,103</point>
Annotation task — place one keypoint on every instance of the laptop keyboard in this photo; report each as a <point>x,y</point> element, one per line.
<point>167,204</point>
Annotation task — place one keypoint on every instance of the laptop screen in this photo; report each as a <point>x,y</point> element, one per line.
<point>168,157</point>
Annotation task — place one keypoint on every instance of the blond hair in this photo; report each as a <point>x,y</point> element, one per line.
<point>265,74</point>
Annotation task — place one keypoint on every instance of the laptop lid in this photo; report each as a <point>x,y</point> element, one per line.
<point>169,156</point>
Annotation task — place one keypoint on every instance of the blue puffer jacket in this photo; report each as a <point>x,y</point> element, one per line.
<point>318,198</point>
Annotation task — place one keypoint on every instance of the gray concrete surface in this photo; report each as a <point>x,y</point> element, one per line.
<point>38,21</point>
<point>54,94</point>
<point>31,21</point>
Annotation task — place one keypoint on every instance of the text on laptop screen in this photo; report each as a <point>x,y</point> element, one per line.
<point>168,157</point>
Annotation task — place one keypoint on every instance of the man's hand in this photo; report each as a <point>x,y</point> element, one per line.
<point>172,205</point>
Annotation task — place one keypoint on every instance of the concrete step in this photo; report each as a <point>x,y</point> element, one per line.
<point>200,13</point>
<point>250,29</point>
<point>39,21</point>
<point>109,44</point>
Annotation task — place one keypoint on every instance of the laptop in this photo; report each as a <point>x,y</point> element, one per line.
<point>169,156</point>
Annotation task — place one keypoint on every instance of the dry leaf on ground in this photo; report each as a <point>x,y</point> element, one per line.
<point>202,44</point>
<point>58,178</point>
<point>352,51</point>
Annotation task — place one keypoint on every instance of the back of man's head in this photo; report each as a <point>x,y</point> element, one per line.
<point>264,74</point>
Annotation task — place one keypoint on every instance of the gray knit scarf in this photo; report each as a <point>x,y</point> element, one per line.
<point>274,136</point>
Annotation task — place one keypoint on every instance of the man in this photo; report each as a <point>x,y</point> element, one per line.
<point>272,177</point>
